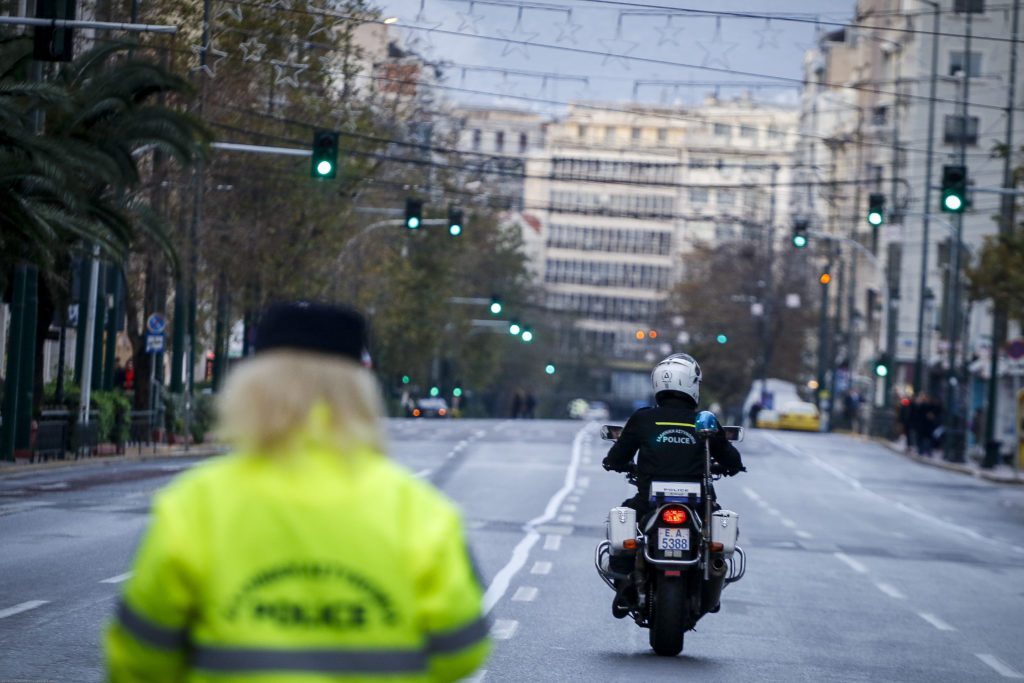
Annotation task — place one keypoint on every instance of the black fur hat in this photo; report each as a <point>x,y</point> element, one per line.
<point>309,326</point>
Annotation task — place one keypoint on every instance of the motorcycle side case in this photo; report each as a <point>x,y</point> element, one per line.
<point>725,529</point>
<point>621,527</point>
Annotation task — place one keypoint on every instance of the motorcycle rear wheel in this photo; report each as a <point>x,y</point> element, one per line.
<point>666,630</point>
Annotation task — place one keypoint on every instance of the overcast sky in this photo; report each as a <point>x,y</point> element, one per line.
<point>469,34</point>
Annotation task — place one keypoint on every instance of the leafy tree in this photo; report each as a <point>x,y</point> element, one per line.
<point>999,273</point>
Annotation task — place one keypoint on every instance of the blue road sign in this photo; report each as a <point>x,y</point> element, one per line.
<point>156,323</point>
<point>154,343</point>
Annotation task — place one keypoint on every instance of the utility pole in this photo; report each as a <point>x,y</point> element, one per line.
<point>768,290</point>
<point>837,335</point>
<point>1007,225</point>
<point>926,219</point>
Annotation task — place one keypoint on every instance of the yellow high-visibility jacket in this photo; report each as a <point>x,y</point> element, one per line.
<point>311,566</point>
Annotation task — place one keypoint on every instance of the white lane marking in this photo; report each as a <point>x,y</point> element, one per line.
<point>891,591</point>
<point>564,519</point>
<point>504,629</point>
<point>788,523</point>
<point>935,621</point>
<point>773,512</point>
<point>118,579</point>
<point>1000,667</point>
<point>803,534</point>
<point>751,493</point>
<point>568,508</point>
<point>478,677</point>
<point>851,563</point>
<point>541,567</point>
<point>573,499</point>
<point>499,585</point>
<point>552,542</point>
<point>586,461</point>
<point>23,607</point>
<point>55,486</point>
<point>525,594</point>
<point>583,482</point>
<point>423,473</point>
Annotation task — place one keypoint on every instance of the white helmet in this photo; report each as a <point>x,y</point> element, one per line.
<point>679,373</point>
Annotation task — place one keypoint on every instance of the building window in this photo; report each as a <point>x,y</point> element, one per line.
<point>879,115</point>
<point>478,138</point>
<point>697,162</point>
<point>499,141</point>
<point>524,142</point>
<point>723,130</point>
<point>698,195</point>
<point>774,133</point>
<point>726,198</point>
<point>955,133</point>
<point>748,132</point>
<point>635,134</point>
<point>663,135</point>
<point>958,62</point>
<point>609,134</point>
<point>581,131</point>
<point>972,6</point>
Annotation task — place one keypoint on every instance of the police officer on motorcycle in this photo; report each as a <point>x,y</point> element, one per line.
<point>663,438</point>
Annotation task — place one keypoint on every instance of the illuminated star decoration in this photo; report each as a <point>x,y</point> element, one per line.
<point>568,29</point>
<point>768,36</point>
<point>469,21</point>
<point>618,48</point>
<point>318,25</point>
<point>517,37</point>
<point>287,73</point>
<point>208,68</point>
<point>668,34</point>
<point>717,51</point>
<point>422,37</point>
<point>233,12</point>
<point>252,50</point>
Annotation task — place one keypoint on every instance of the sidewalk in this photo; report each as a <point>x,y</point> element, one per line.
<point>1001,474</point>
<point>132,454</point>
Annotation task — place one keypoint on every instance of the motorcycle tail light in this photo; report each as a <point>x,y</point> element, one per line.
<point>629,544</point>
<point>673,516</point>
<point>416,412</point>
<point>442,412</point>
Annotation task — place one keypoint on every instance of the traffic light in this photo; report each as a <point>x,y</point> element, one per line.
<point>514,328</point>
<point>434,392</point>
<point>457,392</point>
<point>413,213</point>
<point>406,379</point>
<point>549,368</point>
<point>876,209</point>
<point>882,366</point>
<point>800,233</point>
<point>454,221</point>
<point>495,306</point>
<point>721,338</point>
<point>53,44</point>
<point>527,335</point>
<point>325,154</point>
<point>825,278</point>
<point>954,189</point>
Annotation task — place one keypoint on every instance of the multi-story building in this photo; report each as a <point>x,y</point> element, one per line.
<point>869,122</point>
<point>621,192</point>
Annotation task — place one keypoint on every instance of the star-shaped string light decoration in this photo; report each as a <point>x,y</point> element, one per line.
<point>422,38</point>
<point>668,34</point>
<point>768,37</point>
<point>469,22</point>
<point>287,73</point>
<point>568,29</point>
<point>232,9</point>
<point>717,50</point>
<point>517,37</point>
<point>210,69</point>
<point>252,50</point>
<point>319,26</point>
<point>618,48</point>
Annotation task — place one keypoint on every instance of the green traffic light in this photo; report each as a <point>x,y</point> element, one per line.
<point>457,391</point>
<point>549,368</point>
<point>324,168</point>
<point>514,329</point>
<point>881,370</point>
<point>527,336</point>
<point>434,391</point>
<point>406,379</point>
<point>455,229</point>
<point>495,307</point>
<point>799,241</point>
<point>412,223</point>
<point>953,202</point>
<point>875,218</point>
<point>721,339</point>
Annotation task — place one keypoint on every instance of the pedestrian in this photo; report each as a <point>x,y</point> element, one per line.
<point>529,405</point>
<point>306,553</point>
<point>129,375</point>
<point>518,404</point>
<point>755,409</point>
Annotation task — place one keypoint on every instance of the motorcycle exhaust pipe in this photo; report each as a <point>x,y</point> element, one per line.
<point>711,594</point>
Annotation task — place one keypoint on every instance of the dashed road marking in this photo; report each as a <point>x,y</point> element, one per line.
<point>569,508</point>
<point>573,499</point>
<point>504,629</point>
<point>935,621</point>
<point>120,578</point>
<point>851,563</point>
<point>23,607</point>
<point>541,567</point>
<point>525,594</point>
<point>564,519</point>
<point>423,473</point>
<point>583,482</point>
<point>1002,668</point>
<point>552,542</point>
<point>478,677</point>
<point>803,534</point>
<point>751,493</point>
<point>891,591</point>
<point>788,523</point>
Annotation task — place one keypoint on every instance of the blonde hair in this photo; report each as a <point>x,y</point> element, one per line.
<point>268,399</point>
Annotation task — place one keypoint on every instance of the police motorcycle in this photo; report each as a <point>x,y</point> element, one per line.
<point>684,552</point>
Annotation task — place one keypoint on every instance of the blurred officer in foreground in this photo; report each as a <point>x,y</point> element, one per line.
<point>306,555</point>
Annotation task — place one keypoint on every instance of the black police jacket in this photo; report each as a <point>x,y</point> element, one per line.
<point>665,443</point>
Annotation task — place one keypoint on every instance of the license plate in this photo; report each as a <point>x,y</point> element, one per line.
<point>674,539</point>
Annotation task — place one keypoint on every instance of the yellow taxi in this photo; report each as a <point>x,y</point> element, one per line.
<point>767,419</point>
<point>800,416</point>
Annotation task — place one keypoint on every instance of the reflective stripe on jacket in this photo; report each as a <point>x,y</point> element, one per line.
<point>314,566</point>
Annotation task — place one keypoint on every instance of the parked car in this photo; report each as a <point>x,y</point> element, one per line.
<point>799,415</point>
<point>597,411</point>
<point>431,407</point>
<point>767,419</point>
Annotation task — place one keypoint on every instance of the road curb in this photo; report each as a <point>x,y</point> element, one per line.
<point>195,452</point>
<point>975,472</point>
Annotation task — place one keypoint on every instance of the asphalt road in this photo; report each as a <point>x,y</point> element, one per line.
<point>862,565</point>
